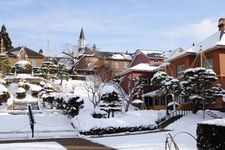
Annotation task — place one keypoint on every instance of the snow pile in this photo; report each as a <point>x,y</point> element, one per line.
<point>85,122</point>
<point>3,89</point>
<point>137,101</point>
<point>34,87</point>
<point>217,122</point>
<point>21,90</point>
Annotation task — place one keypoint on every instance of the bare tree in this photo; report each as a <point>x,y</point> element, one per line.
<point>76,55</point>
<point>134,86</point>
<point>93,85</point>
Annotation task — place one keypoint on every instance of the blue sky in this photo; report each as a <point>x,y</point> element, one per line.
<point>113,25</point>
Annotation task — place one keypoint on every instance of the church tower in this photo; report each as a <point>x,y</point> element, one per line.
<point>82,41</point>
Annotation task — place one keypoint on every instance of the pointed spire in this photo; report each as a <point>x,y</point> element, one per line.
<point>3,30</point>
<point>94,47</point>
<point>82,34</point>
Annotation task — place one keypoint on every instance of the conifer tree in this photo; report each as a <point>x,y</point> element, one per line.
<point>198,84</point>
<point>110,102</point>
<point>6,39</point>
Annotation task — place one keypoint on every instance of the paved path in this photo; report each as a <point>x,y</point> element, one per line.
<point>68,143</point>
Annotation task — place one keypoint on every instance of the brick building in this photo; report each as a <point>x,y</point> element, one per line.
<point>209,53</point>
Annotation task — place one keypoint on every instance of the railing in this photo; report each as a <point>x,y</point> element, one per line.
<point>170,143</point>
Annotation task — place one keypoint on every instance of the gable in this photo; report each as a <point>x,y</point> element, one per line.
<point>139,58</point>
<point>22,55</point>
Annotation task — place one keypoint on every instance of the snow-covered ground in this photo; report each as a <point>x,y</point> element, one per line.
<point>33,146</point>
<point>85,122</point>
<point>47,124</point>
<point>156,141</point>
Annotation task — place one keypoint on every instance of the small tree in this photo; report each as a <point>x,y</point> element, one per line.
<point>5,67</point>
<point>92,85</point>
<point>61,72</point>
<point>110,102</point>
<point>48,69</point>
<point>70,104</point>
<point>23,66</point>
<point>198,84</point>
<point>166,85</point>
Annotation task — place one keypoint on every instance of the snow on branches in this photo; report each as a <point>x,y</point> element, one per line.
<point>197,86</point>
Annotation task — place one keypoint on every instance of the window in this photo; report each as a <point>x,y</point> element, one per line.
<point>180,70</point>
<point>34,63</point>
<point>126,64</point>
<point>208,63</point>
<point>117,65</point>
<point>145,81</point>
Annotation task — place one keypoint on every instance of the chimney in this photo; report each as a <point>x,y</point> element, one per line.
<point>221,24</point>
<point>40,51</point>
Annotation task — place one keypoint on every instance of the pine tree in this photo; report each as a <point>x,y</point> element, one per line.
<point>6,39</point>
<point>110,102</point>
<point>48,69</point>
<point>166,85</point>
<point>62,72</point>
<point>198,87</point>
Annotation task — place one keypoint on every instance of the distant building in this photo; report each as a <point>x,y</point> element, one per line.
<point>24,53</point>
<point>106,64</point>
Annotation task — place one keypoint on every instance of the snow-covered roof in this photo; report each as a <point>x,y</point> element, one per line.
<point>151,94</point>
<point>217,39</point>
<point>146,52</point>
<point>121,56</point>
<point>144,67</point>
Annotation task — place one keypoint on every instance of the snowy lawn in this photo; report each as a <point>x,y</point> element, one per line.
<point>19,126</point>
<point>156,141</point>
<point>85,122</point>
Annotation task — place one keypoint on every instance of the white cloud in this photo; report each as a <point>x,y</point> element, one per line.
<point>197,31</point>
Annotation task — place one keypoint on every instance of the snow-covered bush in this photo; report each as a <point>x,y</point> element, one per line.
<point>35,89</point>
<point>23,66</point>
<point>211,136</point>
<point>21,93</point>
<point>24,85</point>
<point>4,94</point>
<point>69,103</point>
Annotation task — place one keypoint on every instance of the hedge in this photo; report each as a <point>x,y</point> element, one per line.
<point>210,137</point>
<point>112,130</point>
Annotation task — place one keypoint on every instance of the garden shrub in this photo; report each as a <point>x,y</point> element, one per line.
<point>70,104</point>
<point>210,137</point>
